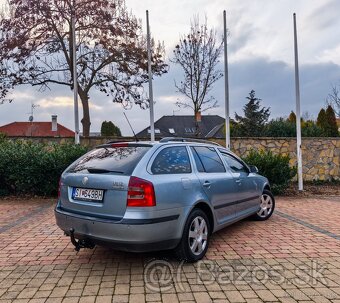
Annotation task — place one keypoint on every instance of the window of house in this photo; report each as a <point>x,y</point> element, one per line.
<point>188,130</point>
<point>157,131</point>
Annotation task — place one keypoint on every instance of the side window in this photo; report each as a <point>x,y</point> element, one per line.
<point>198,161</point>
<point>207,160</point>
<point>172,160</point>
<point>235,165</point>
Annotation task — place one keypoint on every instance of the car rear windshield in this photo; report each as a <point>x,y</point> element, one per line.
<point>114,160</point>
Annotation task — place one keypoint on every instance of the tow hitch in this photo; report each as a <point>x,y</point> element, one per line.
<point>80,243</point>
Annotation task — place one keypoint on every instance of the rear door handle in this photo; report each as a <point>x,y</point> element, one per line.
<point>238,181</point>
<point>206,184</point>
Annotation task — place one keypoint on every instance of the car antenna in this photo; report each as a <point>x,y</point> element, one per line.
<point>134,134</point>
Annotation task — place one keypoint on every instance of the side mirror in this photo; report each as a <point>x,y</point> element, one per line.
<point>253,169</point>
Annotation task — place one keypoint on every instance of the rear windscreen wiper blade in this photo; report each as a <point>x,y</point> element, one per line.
<point>93,170</point>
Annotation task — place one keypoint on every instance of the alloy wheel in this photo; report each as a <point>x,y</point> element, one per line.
<point>198,235</point>
<point>266,206</point>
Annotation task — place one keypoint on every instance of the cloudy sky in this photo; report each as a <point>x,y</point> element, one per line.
<point>260,55</point>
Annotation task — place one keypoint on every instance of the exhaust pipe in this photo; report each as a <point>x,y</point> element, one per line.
<point>84,243</point>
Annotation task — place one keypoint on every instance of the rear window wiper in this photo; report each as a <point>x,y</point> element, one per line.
<point>93,170</point>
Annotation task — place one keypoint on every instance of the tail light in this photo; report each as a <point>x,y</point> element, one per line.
<point>141,193</point>
<point>59,187</point>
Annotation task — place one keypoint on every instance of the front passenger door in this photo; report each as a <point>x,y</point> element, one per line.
<point>248,196</point>
<point>217,183</point>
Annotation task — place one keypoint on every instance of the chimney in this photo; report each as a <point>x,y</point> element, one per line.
<point>54,123</point>
<point>198,117</point>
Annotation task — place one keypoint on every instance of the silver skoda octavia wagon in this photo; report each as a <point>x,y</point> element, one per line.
<point>171,194</point>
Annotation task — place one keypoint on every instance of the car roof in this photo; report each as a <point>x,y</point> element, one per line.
<point>164,141</point>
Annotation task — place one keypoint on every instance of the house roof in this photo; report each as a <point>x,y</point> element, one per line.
<point>185,126</point>
<point>35,129</point>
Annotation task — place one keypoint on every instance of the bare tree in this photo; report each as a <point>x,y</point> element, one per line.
<point>5,100</point>
<point>306,116</point>
<point>4,86</point>
<point>36,49</point>
<point>198,54</point>
<point>333,99</point>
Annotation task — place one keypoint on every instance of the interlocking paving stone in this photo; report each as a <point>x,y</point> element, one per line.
<point>306,224</point>
<point>293,257</point>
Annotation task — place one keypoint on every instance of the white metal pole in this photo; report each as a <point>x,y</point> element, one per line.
<point>152,118</point>
<point>298,114</point>
<point>75,75</point>
<point>226,84</point>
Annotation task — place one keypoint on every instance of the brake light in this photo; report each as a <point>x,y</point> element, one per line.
<point>141,193</point>
<point>119,145</point>
<point>59,187</point>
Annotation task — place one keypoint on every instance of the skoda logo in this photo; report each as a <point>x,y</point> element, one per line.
<point>85,180</point>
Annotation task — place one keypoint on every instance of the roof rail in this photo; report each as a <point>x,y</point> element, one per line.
<point>178,139</point>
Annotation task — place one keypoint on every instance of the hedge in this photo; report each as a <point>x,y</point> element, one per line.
<point>28,168</point>
<point>275,167</point>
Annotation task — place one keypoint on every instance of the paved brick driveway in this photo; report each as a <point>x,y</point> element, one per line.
<point>295,256</point>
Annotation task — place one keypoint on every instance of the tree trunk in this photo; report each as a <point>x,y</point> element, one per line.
<point>86,113</point>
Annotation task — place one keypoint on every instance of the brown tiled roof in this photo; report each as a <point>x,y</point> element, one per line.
<point>35,129</point>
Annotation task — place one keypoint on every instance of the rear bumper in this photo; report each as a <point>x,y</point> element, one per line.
<point>137,235</point>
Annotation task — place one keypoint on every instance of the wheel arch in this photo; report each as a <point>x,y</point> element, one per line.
<point>266,186</point>
<point>206,208</point>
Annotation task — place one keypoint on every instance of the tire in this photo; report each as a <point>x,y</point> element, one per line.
<point>267,206</point>
<point>187,250</point>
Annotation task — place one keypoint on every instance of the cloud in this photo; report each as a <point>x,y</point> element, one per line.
<point>260,55</point>
<point>62,102</point>
<point>273,82</point>
<point>21,95</point>
<point>59,101</point>
<point>330,55</point>
<point>325,15</point>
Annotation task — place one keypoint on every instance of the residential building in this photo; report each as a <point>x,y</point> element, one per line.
<point>37,129</point>
<point>205,126</point>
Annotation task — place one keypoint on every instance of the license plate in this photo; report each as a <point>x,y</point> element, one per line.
<point>87,194</point>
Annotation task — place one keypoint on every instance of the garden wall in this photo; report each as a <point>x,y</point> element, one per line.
<point>321,156</point>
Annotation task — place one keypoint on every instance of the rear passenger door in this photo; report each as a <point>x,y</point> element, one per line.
<point>247,197</point>
<point>217,183</point>
<point>171,173</point>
